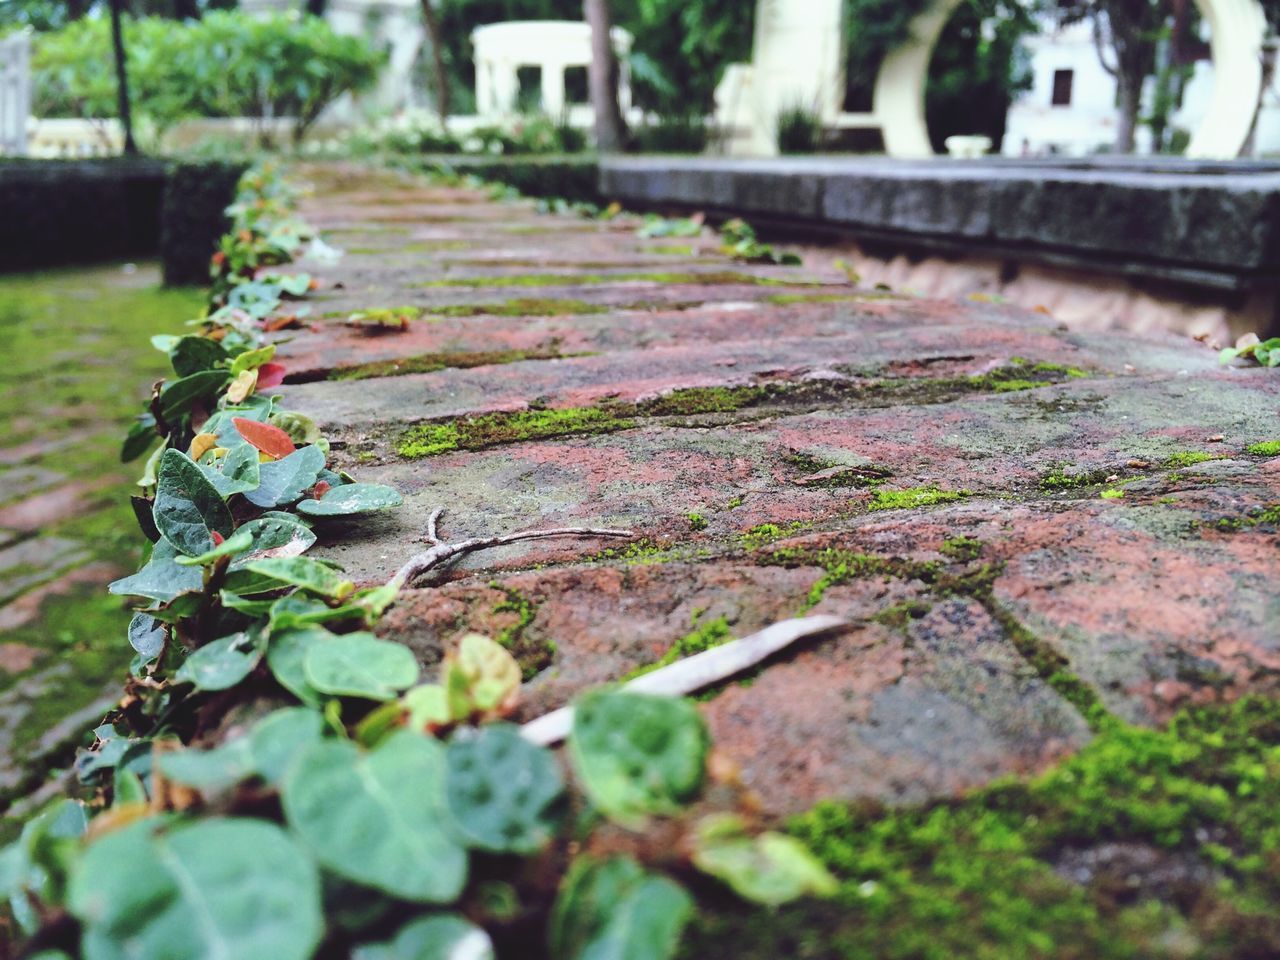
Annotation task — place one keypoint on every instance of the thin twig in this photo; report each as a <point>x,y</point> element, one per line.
<point>442,552</point>
<point>693,673</point>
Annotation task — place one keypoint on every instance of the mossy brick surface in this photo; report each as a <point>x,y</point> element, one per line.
<point>1018,645</point>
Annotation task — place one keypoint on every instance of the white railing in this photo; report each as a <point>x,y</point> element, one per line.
<point>15,93</point>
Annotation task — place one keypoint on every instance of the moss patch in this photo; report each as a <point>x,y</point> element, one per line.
<point>914,498</point>
<point>533,656</point>
<point>1062,479</point>
<point>976,877</point>
<point>1268,448</point>
<point>474,433</point>
<point>1188,458</point>
<point>702,637</point>
<point>718,278</point>
<point>964,549</point>
<point>429,362</point>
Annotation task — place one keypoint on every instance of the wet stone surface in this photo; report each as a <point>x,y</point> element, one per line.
<point>1025,527</point>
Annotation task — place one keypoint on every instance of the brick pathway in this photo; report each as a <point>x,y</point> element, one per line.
<point>1021,523</point>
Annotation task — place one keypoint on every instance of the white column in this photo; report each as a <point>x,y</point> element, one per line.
<point>1237,29</point>
<point>15,93</point>
<point>553,88</point>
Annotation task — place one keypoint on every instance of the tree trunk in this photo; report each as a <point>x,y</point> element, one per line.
<point>611,130</point>
<point>436,39</point>
<point>1130,106</point>
<point>186,10</point>
<point>76,9</point>
<point>122,79</point>
<point>1269,55</point>
<point>317,8</point>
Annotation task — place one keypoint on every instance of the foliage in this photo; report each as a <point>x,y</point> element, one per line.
<point>739,242</point>
<point>799,130</point>
<point>1265,352</point>
<point>276,779</point>
<point>227,64</point>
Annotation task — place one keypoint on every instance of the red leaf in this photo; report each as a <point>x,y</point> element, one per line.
<point>272,441</point>
<point>217,538</point>
<point>320,489</point>
<point>270,375</point>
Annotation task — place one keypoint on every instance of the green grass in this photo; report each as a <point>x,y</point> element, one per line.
<point>1268,448</point>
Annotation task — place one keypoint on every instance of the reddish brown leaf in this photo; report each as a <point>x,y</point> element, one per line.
<point>272,441</point>
<point>270,375</point>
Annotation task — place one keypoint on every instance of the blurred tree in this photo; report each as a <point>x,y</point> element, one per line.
<point>440,68</point>
<point>1127,34</point>
<point>122,78</point>
<point>1269,56</point>
<point>602,75</point>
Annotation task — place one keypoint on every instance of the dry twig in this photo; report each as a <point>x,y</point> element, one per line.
<point>442,552</point>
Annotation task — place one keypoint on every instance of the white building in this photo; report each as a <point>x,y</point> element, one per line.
<point>1071,106</point>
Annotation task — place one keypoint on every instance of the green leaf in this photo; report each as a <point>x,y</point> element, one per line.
<point>252,359</point>
<point>300,428</point>
<point>376,817</point>
<point>238,542</point>
<point>146,635</point>
<point>351,498</point>
<point>613,909</point>
<point>303,572</point>
<point>267,751</point>
<point>216,888</point>
<point>220,664</point>
<point>286,654</point>
<point>142,434</point>
<point>178,397</point>
<point>282,482</point>
<point>360,665</point>
<point>441,937</point>
<point>161,578</point>
<point>188,509</point>
<point>237,471</point>
<point>296,610</point>
<point>275,537</point>
<point>771,868</point>
<point>637,754</point>
<point>501,790</point>
<point>190,355</point>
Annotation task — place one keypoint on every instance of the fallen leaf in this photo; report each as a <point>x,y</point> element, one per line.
<point>270,440</point>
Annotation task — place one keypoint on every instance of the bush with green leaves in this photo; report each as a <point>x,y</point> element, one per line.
<point>227,64</point>
<point>799,130</point>
<point>279,783</point>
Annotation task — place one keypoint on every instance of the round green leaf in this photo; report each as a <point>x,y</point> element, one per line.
<point>146,635</point>
<point>502,790</point>
<point>637,754</point>
<point>188,509</point>
<point>220,664</point>
<point>352,498</point>
<point>376,817</point>
<point>771,868</point>
<point>360,665</point>
<point>218,888</point>
<point>282,482</point>
<point>612,908</point>
<point>443,937</point>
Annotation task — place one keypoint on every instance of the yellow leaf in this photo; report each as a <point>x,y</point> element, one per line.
<point>242,386</point>
<point>202,443</point>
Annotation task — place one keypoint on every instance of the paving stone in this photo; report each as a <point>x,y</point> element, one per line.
<point>36,560</point>
<point>885,469</point>
<point>43,509</point>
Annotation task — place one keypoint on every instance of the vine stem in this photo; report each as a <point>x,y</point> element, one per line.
<point>442,552</point>
<point>693,673</point>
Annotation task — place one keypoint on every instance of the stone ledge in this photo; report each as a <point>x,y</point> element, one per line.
<point>1214,226</point>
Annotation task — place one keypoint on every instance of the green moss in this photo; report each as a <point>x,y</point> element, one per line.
<point>675,250</point>
<point>1268,448</point>
<point>474,433</point>
<point>1009,386</point>
<point>1111,493</point>
<point>1046,367</point>
<point>845,476</point>
<point>593,279</point>
<point>735,502</point>
<point>766,533</point>
<point>521,307</point>
<point>914,498</point>
<point>533,656</point>
<point>962,548</point>
<point>975,877</point>
<point>1060,479</point>
<point>697,522</point>
<point>643,552</point>
<point>840,566</point>
<point>696,400</point>
<point>703,637</point>
<point>1189,458</point>
<point>786,299</point>
<point>430,362</point>
<point>899,615</point>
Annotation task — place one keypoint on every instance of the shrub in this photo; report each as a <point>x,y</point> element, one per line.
<point>799,130</point>
<point>225,65</point>
<point>674,134</point>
